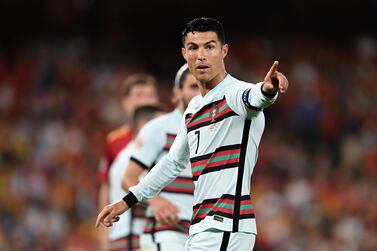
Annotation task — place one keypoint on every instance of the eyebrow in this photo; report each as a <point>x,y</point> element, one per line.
<point>206,43</point>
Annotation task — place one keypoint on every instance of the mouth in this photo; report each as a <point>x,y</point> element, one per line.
<point>202,68</point>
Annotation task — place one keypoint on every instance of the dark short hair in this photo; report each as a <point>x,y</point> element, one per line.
<point>204,24</point>
<point>137,79</point>
<point>146,112</point>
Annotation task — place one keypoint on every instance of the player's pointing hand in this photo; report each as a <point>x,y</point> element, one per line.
<point>110,213</point>
<point>275,81</point>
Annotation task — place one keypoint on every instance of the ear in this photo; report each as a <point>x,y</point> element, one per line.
<point>177,95</point>
<point>225,49</point>
<point>183,50</point>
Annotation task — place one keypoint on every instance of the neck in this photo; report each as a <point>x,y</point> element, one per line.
<point>206,86</point>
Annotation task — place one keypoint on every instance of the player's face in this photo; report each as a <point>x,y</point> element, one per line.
<point>190,88</point>
<point>143,94</point>
<point>205,55</point>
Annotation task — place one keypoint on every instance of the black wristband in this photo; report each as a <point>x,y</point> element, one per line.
<point>268,95</point>
<point>130,199</point>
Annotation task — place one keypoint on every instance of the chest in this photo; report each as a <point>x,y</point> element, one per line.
<point>212,126</point>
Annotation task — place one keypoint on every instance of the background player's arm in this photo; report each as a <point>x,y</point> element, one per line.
<point>131,175</point>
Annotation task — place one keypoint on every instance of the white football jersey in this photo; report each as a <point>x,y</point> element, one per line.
<point>219,136</point>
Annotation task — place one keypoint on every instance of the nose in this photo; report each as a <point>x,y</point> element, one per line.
<point>201,54</point>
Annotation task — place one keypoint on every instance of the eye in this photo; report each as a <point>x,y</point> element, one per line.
<point>210,46</point>
<point>192,47</point>
<point>194,86</point>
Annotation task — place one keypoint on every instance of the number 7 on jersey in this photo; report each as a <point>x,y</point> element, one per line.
<point>197,133</point>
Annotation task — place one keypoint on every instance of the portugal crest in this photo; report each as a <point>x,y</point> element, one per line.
<point>214,111</point>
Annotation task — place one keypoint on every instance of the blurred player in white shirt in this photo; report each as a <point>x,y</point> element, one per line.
<point>125,235</point>
<point>138,89</point>
<point>169,215</point>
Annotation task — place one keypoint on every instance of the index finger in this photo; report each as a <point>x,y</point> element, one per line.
<point>273,68</point>
<point>101,216</point>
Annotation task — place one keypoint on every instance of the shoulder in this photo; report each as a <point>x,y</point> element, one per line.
<point>124,155</point>
<point>159,122</point>
<point>126,151</point>
<point>157,128</point>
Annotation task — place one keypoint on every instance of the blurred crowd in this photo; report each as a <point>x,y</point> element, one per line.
<point>315,183</point>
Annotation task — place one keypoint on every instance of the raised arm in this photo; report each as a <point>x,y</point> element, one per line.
<point>249,99</point>
<point>274,81</point>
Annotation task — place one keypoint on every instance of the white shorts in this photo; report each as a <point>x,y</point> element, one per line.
<point>222,241</point>
<point>163,241</point>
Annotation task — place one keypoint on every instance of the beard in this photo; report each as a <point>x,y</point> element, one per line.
<point>207,84</point>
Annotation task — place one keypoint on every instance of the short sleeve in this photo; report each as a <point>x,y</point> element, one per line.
<point>148,145</point>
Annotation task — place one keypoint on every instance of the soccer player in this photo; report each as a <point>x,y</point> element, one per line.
<point>219,137</point>
<point>169,215</point>
<point>125,235</point>
<point>138,89</point>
